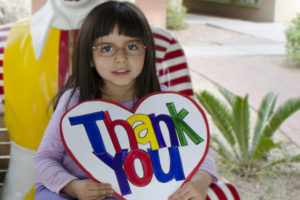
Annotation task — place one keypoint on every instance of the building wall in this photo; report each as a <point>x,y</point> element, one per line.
<point>265,12</point>
<point>155,11</point>
<point>285,10</point>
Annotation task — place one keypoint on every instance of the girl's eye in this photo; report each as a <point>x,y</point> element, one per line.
<point>106,49</point>
<point>132,47</point>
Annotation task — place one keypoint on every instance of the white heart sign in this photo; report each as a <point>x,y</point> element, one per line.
<point>147,153</point>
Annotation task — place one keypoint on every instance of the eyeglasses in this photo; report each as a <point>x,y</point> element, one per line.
<point>130,49</point>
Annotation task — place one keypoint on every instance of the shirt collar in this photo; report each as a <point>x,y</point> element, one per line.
<point>64,15</point>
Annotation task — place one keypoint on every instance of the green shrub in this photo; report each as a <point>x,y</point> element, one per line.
<point>247,151</point>
<point>292,34</point>
<point>176,14</point>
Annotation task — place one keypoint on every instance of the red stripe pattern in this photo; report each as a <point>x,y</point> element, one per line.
<point>233,191</point>
<point>63,59</point>
<point>3,37</point>
<point>217,190</point>
<point>222,190</point>
<point>171,64</point>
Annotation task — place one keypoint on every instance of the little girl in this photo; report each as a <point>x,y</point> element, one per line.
<point>115,60</point>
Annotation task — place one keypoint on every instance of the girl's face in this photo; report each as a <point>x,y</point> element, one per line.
<point>118,59</point>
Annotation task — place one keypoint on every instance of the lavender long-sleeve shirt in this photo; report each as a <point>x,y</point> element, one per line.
<point>53,165</point>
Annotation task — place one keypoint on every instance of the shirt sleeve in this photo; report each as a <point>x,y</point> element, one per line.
<point>48,159</point>
<point>208,165</point>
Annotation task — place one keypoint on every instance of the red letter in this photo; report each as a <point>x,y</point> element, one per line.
<point>130,170</point>
<point>110,127</point>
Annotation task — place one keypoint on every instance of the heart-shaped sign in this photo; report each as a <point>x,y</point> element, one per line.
<point>147,153</point>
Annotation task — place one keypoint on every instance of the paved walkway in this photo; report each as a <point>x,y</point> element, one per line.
<point>241,68</point>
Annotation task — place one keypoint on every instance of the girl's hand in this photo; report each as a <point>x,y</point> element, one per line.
<point>195,189</point>
<point>88,190</point>
<point>188,191</point>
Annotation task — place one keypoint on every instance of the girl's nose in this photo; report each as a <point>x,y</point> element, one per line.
<point>121,56</point>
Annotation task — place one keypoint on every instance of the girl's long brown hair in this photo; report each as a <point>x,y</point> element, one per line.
<point>100,22</point>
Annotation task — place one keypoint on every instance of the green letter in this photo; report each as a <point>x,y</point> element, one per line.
<point>181,126</point>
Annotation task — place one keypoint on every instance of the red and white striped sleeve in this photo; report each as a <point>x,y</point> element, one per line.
<point>171,63</point>
<point>222,190</point>
<point>4,30</point>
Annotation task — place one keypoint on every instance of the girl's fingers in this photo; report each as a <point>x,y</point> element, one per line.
<point>100,191</point>
<point>186,192</point>
<point>186,195</point>
<point>179,194</point>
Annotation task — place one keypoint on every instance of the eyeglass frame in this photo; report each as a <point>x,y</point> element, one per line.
<point>98,47</point>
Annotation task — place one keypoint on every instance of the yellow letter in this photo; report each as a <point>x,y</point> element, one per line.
<point>146,125</point>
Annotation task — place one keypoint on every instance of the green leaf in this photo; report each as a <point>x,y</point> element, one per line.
<point>264,113</point>
<point>228,96</point>
<point>219,113</point>
<point>283,160</point>
<point>282,113</point>
<point>272,107</point>
<point>222,150</point>
<point>241,119</point>
<point>263,147</point>
<point>295,158</point>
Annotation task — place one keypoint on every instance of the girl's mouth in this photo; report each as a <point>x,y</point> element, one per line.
<point>121,72</point>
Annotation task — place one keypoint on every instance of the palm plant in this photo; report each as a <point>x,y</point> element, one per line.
<point>247,150</point>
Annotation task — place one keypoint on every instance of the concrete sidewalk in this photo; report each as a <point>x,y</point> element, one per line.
<point>274,32</point>
<point>250,67</point>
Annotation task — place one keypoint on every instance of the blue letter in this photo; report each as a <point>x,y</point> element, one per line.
<point>116,164</point>
<point>155,123</point>
<point>93,132</point>
<point>175,165</point>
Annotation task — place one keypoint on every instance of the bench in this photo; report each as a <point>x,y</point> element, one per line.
<point>4,150</point>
